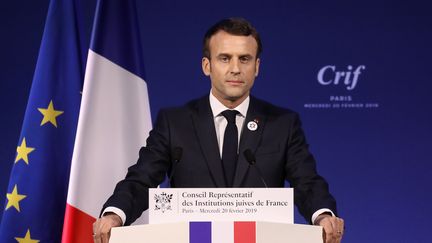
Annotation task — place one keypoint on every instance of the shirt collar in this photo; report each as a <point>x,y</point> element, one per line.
<point>217,107</point>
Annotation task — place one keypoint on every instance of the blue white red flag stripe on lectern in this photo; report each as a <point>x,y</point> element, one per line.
<point>36,195</point>
<point>226,232</point>
<point>114,119</point>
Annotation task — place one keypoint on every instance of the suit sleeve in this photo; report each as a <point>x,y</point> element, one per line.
<point>311,191</point>
<point>131,194</point>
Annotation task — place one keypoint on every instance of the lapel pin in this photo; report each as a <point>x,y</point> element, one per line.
<point>253,125</point>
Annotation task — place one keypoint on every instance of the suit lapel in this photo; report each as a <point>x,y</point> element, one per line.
<point>249,139</point>
<point>203,123</point>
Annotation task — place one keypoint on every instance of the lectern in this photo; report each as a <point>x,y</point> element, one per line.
<point>218,232</point>
<point>219,215</point>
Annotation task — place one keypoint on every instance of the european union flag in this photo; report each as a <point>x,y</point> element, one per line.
<point>36,195</point>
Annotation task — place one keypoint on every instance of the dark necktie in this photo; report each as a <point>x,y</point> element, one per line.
<point>229,149</point>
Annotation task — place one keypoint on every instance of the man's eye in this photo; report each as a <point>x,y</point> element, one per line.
<point>223,59</point>
<point>244,59</point>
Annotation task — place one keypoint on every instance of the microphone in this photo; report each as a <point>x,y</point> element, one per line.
<point>176,154</point>
<point>250,157</point>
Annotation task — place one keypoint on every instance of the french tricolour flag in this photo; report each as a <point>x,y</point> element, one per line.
<point>114,119</point>
<point>222,232</point>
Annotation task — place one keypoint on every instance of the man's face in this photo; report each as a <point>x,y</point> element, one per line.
<point>233,66</point>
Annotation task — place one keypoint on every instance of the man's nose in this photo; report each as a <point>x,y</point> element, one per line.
<point>235,66</point>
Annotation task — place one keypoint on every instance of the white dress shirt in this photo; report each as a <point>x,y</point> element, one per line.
<point>220,121</point>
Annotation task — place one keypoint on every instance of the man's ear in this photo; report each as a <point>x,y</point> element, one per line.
<point>257,64</point>
<point>205,64</point>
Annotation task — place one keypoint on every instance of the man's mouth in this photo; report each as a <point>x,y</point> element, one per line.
<point>235,82</point>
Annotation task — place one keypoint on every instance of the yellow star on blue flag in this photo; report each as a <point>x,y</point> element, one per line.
<point>23,152</point>
<point>14,198</point>
<point>27,238</point>
<point>50,114</point>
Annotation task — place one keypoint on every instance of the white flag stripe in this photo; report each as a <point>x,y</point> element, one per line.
<point>114,123</point>
<point>222,232</point>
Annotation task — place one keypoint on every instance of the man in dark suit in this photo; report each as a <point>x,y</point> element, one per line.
<point>213,133</point>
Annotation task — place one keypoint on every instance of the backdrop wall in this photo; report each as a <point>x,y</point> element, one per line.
<point>370,131</point>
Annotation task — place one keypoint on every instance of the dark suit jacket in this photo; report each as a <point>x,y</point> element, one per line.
<point>279,146</point>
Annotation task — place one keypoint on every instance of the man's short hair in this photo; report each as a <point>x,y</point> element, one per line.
<point>233,26</point>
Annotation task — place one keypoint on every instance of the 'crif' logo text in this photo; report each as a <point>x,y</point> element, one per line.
<point>329,75</point>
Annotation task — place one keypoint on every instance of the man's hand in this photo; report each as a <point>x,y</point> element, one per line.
<point>333,228</point>
<point>102,227</point>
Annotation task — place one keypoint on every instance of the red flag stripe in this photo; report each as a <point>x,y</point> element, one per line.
<point>78,226</point>
<point>244,232</point>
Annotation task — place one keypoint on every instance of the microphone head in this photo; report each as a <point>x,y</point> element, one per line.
<point>177,153</point>
<point>250,157</point>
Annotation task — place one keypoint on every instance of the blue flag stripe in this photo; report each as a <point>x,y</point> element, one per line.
<point>200,232</point>
<point>124,45</point>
